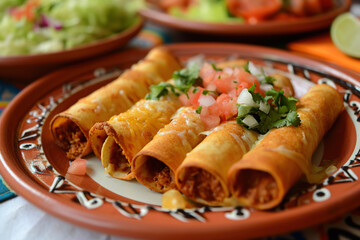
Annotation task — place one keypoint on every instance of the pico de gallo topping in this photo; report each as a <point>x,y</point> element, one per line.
<point>219,94</point>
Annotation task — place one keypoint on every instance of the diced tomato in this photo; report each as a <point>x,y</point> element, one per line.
<point>77,167</point>
<point>208,74</point>
<point>255,9</point>
<point>193,97</point>
<point>246,80</point>
<point>236,92</point>
<point>210,117</point>
<point>27,11</point>
<point>227,106</point>
<point>185,101</point>
<point>227,80</point>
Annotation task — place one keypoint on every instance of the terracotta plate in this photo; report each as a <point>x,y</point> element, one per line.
<point>35,66</point>
<point>36,168</point>
<point>266,28</point>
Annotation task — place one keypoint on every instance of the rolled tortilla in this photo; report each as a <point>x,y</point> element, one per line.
<point>202,177</point>
<point>154,166</point>
<point>127,133</point>
<point>264,175</point>
<point>70,128</point>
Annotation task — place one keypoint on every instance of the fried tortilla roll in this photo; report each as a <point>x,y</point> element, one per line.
<point>128,132</point>
<point>155,164</point>
<point>264,175</point>
<point>70,128</point>
<point>202,177</point>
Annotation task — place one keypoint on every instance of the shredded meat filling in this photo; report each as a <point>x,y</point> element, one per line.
<point>198,183</point>
<point>71,139</point>
<point>119,160</point>
<point>161,175</point>
<point>260,187</point>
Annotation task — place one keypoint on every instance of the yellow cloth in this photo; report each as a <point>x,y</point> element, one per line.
<point>321,46</point>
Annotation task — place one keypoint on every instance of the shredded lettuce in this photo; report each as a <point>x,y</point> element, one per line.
<point>206,11</point>
<point>63,24</point>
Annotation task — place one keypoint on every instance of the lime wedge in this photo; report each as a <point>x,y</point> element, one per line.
<point>345,34</point>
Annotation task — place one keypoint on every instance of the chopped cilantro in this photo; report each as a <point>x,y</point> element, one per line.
<point>246,66</point>
<point>198,110</point>
<point>268,80</point>
<point>216,68</point>
<point>157,91</point>
<point>185,78</point>
<point>206,92</point>
<point>282,111</point>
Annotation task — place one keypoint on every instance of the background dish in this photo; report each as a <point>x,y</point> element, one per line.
<point>36,168</point>
<point>267,28</point>
<point>34,66</point>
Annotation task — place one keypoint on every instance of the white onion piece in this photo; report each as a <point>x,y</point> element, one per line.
<point>206,100</point>
<point>228,70</point>
<point>211,87</point>
<point>250,121</point>
<point>266,87</point>
<point>253,69</point>
<point>198,60</point>
<point>246,98</point>
<point>264,107</point>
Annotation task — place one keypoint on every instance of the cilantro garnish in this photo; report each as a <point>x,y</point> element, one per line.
<point>195,90</point>
<point>159,90</point>
<point>198,110</point>
<point>246,67</point>
<point>265,79</point>
<point>184,79</point>
<point>216,68</point>
<point>206,92</point>
<point>282,111</point>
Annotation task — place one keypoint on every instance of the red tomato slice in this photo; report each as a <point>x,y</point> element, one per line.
<point>77,167</point>
<point>258,9</point>
<point>28,11</point>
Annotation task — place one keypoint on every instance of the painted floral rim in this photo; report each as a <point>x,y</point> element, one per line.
<point>32,164</point>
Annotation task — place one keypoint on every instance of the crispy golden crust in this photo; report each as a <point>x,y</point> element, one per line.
<point>284,154</point>
<point>202,177</point>
<point>112,99</point>
<point>155,164</point>
<point>130,132</point>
